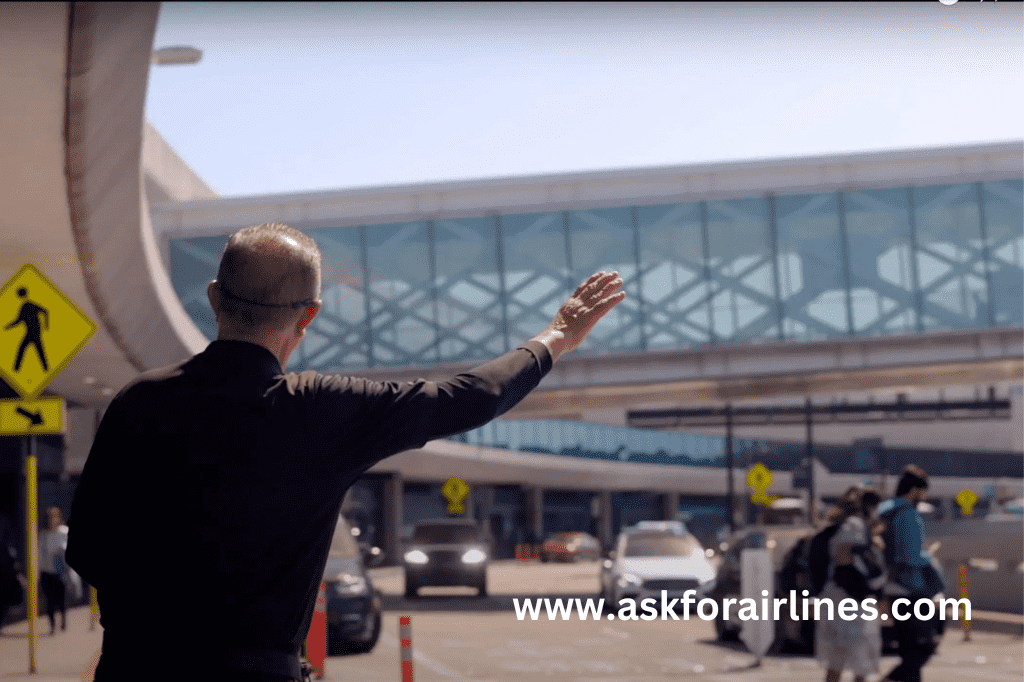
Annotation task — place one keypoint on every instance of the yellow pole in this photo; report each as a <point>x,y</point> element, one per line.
<point>32,537</point>
<point>965,593</point>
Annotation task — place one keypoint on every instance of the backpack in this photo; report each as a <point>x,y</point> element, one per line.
<point>819,558</point>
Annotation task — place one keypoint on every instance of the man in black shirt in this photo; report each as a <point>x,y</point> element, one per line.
<point>206,507</point>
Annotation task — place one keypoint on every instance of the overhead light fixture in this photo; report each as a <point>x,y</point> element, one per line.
<point>177,54</point>
<point>88,381</point>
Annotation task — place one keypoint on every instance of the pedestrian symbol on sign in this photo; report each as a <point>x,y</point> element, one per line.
<point>29,316</point>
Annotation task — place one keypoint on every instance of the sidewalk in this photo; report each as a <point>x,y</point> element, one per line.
<point>68,656</point>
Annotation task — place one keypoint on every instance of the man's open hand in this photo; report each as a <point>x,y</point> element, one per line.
<point>577,316</point>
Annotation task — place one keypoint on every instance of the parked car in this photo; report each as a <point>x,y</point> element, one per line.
<point>446,552</point>
<point>570,547</point>
<point>787,545</point>
<point>778,540</point>
<point>645,562</point>
<point>353,604</point>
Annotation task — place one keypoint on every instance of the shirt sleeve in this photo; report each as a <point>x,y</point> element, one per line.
<point>374,420</point>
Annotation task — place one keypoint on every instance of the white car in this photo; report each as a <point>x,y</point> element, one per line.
<point>645,562</point>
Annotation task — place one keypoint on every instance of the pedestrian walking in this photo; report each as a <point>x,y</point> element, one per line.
<point>242,468</point>
<point>855,572</point>
<point>55,578</point>
<point>912,574</point>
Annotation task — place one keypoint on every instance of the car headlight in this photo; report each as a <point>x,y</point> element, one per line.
<point>350,584</point>
<point>630,580</point>
<point>416,556</point>
<point>473,556</point>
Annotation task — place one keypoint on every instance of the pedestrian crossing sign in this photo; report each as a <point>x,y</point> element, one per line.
<point>41,330</point>
<point>32,417</point>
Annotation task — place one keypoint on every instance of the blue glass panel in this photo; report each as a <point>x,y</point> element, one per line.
<point>468,289</point>
<point>401,301</point>
<point>810,257</point>
<point>950,260</point>
<point>602,239</point>
<point>536,272</point>
<point>673,287</point>
<point>1004,228</point>
<point>881,271</point>
<point>743,304</point>
<point>194,263</point>
<point>337,338</point>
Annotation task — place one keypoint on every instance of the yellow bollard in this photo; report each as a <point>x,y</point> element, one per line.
<point>31,554</point>
<point>965,593</point>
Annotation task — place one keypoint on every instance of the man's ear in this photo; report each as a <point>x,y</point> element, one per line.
<point>309,313</point>
<point>213,294</point>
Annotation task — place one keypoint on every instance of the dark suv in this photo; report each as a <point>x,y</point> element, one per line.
<point>353,605</point>
<point>446,552</point>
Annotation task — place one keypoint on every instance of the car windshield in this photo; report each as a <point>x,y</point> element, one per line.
<point>343,544</point>
<point>662,544</point>
<point>446,534</point>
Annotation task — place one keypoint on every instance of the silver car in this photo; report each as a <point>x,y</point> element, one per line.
<point>646,562</point>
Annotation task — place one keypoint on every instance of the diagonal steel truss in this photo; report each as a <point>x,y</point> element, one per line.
<point>451,290</point>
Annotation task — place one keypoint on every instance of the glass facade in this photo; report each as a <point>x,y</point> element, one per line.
<point>598,441</point>
<point>806,266</point>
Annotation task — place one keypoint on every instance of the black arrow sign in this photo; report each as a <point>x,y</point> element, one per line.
<point>37,417</point>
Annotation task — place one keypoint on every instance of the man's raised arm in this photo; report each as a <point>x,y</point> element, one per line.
<point>396,416</point>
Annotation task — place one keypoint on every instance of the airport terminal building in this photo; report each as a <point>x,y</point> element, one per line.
<point>887,279</point>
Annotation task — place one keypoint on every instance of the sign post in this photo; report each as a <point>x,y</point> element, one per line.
<point>32,556</point>
<point>41,330</point>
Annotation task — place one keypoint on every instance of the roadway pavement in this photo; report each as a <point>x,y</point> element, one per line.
<point>458,637</point>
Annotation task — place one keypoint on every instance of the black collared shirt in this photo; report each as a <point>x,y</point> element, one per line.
<point>206,507</point>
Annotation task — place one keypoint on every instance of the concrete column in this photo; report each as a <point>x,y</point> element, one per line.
<point>670,506</point>
<point>604,518</point>
<point>535,511</point>
<point>394,490</point>
<point>483,497</point>
<point>1016,418</point>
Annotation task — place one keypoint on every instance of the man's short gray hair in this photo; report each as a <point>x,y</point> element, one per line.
<point>267,275</point>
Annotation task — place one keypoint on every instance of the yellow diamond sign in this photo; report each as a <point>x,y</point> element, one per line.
<point>41,329</point>
<point>760,479</point>
<point>455,491</point>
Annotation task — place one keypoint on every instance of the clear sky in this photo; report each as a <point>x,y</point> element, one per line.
<point>297,97</point>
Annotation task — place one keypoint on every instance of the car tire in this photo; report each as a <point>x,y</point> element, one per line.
<point>482,588</point>
<point>411,590</point>
<point>367,646</point>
